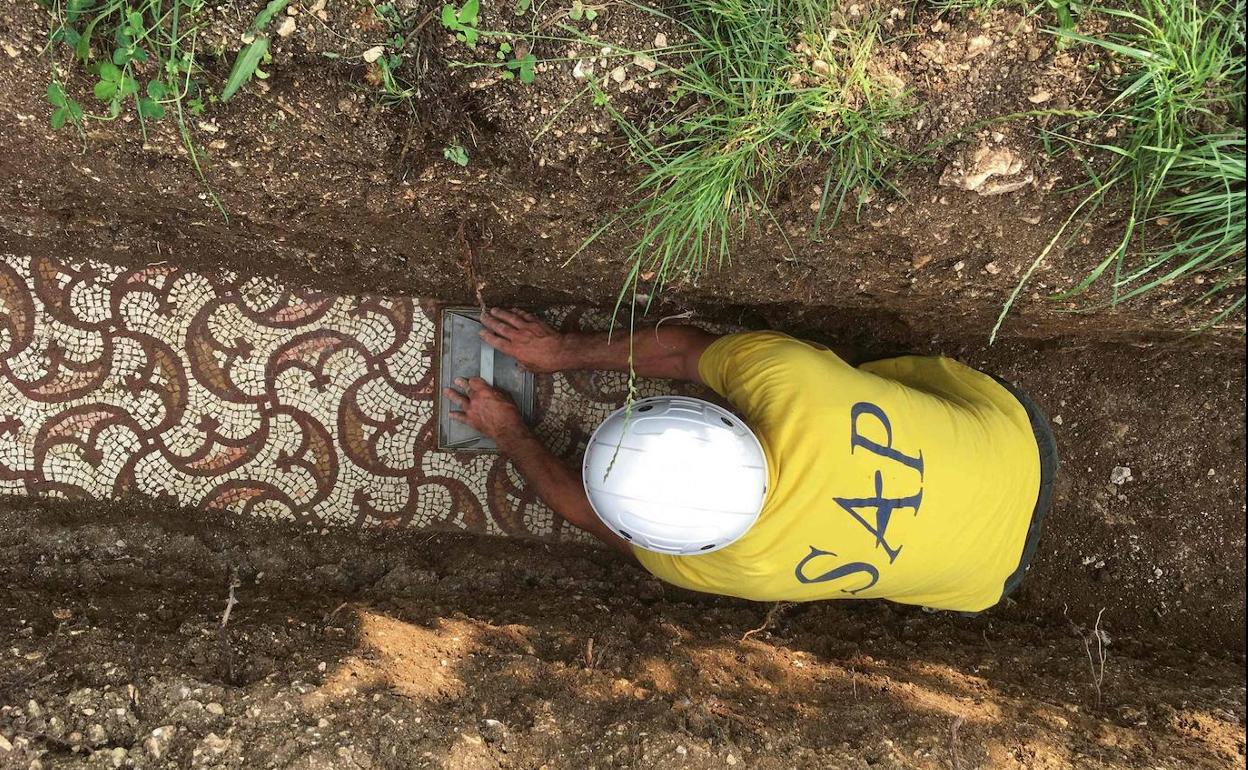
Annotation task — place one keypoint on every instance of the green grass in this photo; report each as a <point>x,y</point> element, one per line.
<point>1180,163</point>
<point>762,86</point>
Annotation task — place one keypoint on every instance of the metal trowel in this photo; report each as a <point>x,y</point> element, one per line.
<point>462,353</point>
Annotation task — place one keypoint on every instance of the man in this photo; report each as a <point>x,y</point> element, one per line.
<point>914,479</point>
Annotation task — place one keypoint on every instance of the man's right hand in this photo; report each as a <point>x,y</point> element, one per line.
<point>532,342</point>
<point>487,409</point>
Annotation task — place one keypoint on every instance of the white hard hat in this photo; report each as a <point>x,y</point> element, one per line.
<point>675,475</point>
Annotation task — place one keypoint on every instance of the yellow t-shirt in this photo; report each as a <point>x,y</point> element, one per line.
<point>911,479</point>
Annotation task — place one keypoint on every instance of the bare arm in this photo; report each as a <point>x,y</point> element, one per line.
<point>667,351</point>
<point>491,412</point>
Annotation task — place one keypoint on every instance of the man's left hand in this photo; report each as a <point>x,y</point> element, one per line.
<point>535,344</point>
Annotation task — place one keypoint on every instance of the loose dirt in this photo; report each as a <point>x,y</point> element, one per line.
<point>400,650</point>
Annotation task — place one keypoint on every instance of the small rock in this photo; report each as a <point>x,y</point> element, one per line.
<point>991,268</point>
<point>821,67</point>
<point>493,730</point>
<point>1033,53</point>
<point>582,69</point>
<point>977,45</point>
<point>287,27</point>
<point>5,746</point>
<point>731,760</point>
<point>216,709</point>
<point>645,62</point>
<point>1040,97</point>
<point>618,74</point>
<point>660,40</point>
<point>1057,420</point>
<point>1120,475</point>
<point>97,735</point>
<point>987,170</point>
<point>373,54</point>
<point>920,259</point>
<point>214,744</point>
<point>117,756</point>
<point>158,741</point>
<point>959,266</point>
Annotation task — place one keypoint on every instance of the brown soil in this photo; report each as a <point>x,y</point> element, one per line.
<point>401,650</point>
<point>424,638</point>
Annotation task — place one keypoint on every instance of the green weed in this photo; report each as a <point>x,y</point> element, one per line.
<point>247,62</point>
<point>1180,165</point>
<point>513,57</point>
<point>455,153</point>
<point>580,11</point>
<point>386,60</point>
<point>462,21</point>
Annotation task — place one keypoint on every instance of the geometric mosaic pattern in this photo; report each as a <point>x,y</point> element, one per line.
<point>241,394</point>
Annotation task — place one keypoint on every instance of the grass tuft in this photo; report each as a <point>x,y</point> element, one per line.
<point>1180,164</point>
<point>763,85</point>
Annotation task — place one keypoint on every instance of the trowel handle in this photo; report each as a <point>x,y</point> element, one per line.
<point>487,363</point>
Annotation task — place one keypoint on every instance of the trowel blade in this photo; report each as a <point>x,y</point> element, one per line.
<point>463,354</point>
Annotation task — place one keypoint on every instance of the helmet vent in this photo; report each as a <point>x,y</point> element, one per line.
<point>645,408</point>
<point>625,535</point>
<point>707,547</point>
<point>726,421</point>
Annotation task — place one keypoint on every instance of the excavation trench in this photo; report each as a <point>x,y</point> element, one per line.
<point>226,392</point>
<point>249,399</point>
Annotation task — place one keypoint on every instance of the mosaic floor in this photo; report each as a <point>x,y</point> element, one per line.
<point>240,394</point>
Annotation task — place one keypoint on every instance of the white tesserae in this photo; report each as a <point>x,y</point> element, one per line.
<point>675,475</point>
